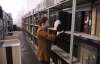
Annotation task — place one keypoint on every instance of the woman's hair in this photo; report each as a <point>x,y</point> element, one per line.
<point>42,20</point>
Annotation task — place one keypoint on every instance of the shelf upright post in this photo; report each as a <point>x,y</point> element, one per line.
<point>29,23</point>
<point>32,21</point>
<point>72,30</point>
<point>48,16</point>
<point>38,15</point>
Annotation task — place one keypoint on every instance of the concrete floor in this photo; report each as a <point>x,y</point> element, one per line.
<point>27,55</point>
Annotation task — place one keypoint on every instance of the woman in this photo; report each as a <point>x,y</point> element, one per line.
<point>44,38</point>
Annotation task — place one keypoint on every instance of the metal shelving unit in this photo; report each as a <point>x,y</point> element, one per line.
<point>73,6</point>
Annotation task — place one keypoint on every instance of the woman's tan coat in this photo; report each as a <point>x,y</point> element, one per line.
<point>44,42</point>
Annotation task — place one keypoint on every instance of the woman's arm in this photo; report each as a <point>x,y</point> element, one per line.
<point>46,35</point>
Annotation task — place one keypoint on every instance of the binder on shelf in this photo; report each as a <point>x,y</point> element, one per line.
<point>79,21</point>
<point>65,19</point>
<point>87,22</point>
<point>98,21</point>
<point>61,40</point>
<point>93,27</point>
<point>53,18</point>
<point>87,54</point>
<point>83,22</point>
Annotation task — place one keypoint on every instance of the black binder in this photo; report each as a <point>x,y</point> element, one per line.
<point>65,19</point>
<point>79,21</point>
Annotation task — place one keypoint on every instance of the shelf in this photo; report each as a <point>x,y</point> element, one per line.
<point>32,34</point>
<point>63,5</point>
<point>9,43</point>
<point>62,54</point>
<point>60,5</point>
<point>52,28</point>
<point>36,25</point>
<point>66,4</point>
<point>93,37</point>
<point>88,36</point>
<point>56,6</point>
<point>43,11</point>
<point>26,23</point>
<point>68,32</point>
<point>31,24</point>
<point>35,48</point>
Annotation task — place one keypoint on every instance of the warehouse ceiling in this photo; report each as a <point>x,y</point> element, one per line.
<point>18,8</point>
